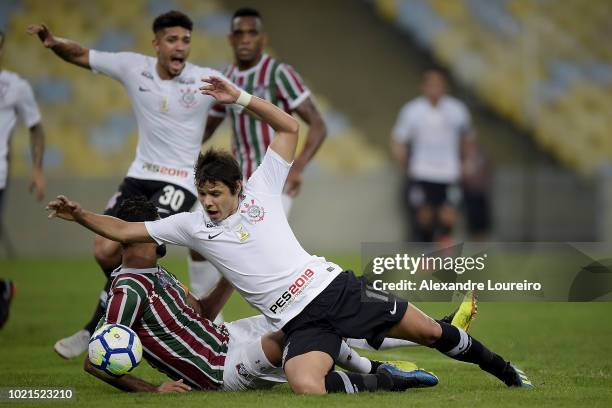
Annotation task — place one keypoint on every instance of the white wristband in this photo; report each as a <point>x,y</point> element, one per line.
<point>244,98</point>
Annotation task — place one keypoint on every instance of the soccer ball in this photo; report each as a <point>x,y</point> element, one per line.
<point>115,349</point>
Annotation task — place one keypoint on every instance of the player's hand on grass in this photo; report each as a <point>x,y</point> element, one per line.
<point>293,182</point>
<point>173,386</point>
<point>43,33</point>
<point>221,90</point>
<point>63,208</point>
<point>37,185</point>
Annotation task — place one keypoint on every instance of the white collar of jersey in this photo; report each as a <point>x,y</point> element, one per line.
<point>121,270</point>
<point>179,78</point>
<point>255,68</point>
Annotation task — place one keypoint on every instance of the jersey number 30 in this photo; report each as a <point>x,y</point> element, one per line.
<point>172,197</point>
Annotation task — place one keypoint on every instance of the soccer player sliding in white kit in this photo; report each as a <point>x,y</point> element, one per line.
<point>244,232</point>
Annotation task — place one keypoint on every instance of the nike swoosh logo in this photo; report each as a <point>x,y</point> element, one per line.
<point>392,312</point>
<point>141,89</point>
<point>214,236</point>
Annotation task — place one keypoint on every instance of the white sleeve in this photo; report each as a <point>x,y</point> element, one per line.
<point>271,174</point>
<point>402,130</point>
<point>112,64</point>
<point>175,229</point>
<point>26,105</point>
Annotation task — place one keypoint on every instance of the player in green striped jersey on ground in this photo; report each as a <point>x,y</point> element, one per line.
<point>268,78</point>
<point>179,339</point>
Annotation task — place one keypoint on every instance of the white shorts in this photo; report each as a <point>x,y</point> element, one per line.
<point>246,366</point>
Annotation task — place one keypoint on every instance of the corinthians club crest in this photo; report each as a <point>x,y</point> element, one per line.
<point>188,98</point>
<point>253,211</point>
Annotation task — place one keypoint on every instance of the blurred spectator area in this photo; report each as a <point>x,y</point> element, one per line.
<point>544,65</point>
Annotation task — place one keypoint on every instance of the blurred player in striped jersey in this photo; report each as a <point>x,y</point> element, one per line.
<point>268,78</point>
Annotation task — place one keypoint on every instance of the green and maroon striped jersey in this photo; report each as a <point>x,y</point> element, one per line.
<point>273,81</point>
<point>175,339</point>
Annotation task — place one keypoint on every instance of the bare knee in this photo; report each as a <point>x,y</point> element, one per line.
<point>416,326</point>
<point>107,252</point>
<point>431,332</point>
<point>308,386</point>
<point>306,372</point>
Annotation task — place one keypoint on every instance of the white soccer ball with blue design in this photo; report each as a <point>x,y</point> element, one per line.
<point>115,349</point>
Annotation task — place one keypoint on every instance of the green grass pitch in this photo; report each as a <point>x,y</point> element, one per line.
<point>565,348</point>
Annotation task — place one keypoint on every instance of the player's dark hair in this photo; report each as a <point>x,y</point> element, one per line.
<point>172,18</point>
<point>217,166</point>
<point>246,12</point>
<point>443,72</point>
<point>137,209</point>
<point>1,38</point>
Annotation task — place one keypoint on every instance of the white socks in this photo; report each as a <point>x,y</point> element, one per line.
<point>387,343</point>
<point>350,360</point>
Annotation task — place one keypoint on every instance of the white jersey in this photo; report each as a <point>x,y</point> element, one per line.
<point>255,248</point>
<point>434,134</point>
<point>16,98</point>
<point>171,114</point>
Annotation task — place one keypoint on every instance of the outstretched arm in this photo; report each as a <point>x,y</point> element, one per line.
<point>109,227</point>
<point>285,126</point>
<point>130,383</point>
<point>37,146</point>
<point>67,50</point>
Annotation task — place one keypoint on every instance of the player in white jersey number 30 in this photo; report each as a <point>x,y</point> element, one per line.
<point>171,116</point>
<point>244,232</point>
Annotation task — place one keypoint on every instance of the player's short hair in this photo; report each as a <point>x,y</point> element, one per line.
<point>137,209</point>
<point>246,12</point>
<point>217,166</point>
<point>172,18</point>
<point>1,38</point>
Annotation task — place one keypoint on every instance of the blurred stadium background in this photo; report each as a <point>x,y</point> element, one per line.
<point>536,74</point>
